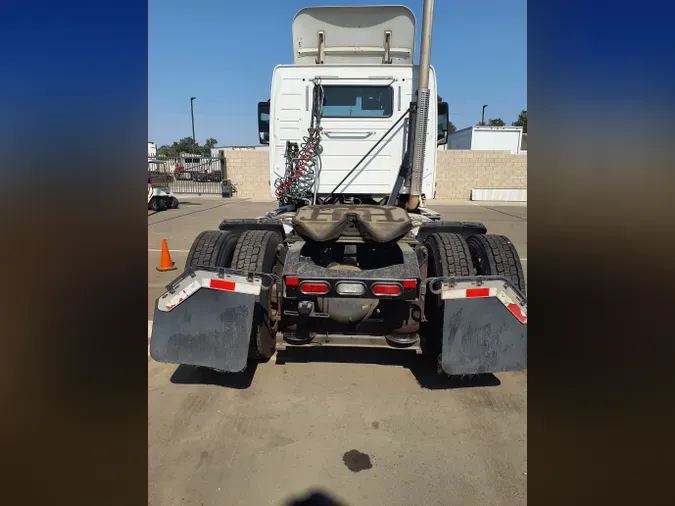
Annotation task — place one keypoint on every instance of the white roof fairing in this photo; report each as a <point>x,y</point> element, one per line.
<point>361,35</point>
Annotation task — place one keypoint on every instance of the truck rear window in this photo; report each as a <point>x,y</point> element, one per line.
<point>357,101</point>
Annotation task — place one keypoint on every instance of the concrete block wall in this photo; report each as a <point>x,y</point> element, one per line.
<point>249,170</point>
<point>458,172</point>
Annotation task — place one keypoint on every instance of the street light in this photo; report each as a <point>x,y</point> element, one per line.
<point>192,112</point>
<point>482,121</point>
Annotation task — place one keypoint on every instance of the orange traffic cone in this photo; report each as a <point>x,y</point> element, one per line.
<point>165,263</point>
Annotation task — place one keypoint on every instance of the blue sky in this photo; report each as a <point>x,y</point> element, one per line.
<point>223,52</point>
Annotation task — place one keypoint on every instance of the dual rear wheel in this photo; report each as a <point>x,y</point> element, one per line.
<point>451,255</point>
<point>252,251</point>
<point>256,251</point>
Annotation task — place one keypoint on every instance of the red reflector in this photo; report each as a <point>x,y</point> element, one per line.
<point>517,312</point>
<point>222,285</point>
<point>314,288</point>
<point>477,292</point>
<point>292,281</point>
<point>386,289</point>
<point>410,283</point>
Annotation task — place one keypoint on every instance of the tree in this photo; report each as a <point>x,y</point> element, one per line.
<point>522,121</point>
<point>451,128</point>
<point>496,122</point>
<point>210,143</point>
<point>186,146</point>
<point>165,152</point>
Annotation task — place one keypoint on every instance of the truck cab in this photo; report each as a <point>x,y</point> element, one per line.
<point>362,58</point>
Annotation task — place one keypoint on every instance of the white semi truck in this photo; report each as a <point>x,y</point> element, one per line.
<point>350,256</point>
<point>362,57</point>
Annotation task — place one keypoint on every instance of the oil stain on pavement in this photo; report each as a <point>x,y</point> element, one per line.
<point>357,461</point>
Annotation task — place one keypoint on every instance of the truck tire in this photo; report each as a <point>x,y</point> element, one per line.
<point>495,255</point>
<point>449,255</point>
<point>256,251</point>
<point>156,204</point>
<point>211,249</point>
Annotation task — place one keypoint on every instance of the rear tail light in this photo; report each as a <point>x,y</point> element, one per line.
<point>387,289</point>
<point>314,287</point>
<point>409,283</point>
<point>347,288</point>
<point>292,281</point>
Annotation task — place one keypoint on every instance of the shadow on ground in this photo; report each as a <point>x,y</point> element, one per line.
<point>189,204</point>
<point>192,375</point>
<point>315,498</point>
<point>420,366</point>
<point>424,371</point>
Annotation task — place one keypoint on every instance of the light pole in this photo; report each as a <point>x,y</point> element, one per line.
<point>192,112</point>
<point>482,121</point>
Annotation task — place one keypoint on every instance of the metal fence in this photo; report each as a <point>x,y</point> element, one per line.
<point>188,174</point>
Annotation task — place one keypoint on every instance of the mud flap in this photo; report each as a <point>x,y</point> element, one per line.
<point>482,336</point>
<point>211,329</point>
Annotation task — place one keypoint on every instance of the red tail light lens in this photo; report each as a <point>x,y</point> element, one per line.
<point>409,283</point>
<point>292,281</point>
<point>314,287</point>
<point>389,289</point>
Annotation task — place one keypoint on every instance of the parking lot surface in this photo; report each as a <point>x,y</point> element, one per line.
<point>363,426</point>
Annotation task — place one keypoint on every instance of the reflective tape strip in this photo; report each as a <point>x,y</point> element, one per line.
<point>463,293</point>
<point>221,284</point>
<point>251,288</point>
<point>519,312</point>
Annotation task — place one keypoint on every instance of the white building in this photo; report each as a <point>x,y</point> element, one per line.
<point>488,138</point>
<point>152,150</point>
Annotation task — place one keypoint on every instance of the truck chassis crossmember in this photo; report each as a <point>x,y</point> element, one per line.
<point>347,340</point>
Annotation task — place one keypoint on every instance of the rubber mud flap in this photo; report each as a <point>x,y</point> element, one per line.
<point>211,329</point>
<point>482,336</point>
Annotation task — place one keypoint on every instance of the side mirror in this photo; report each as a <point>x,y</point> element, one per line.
<point>443,123</point>
<point>264,122</point>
